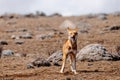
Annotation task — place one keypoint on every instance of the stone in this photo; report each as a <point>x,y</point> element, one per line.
<point>10,31</point>
<point>89,16</point>
<point>93,52</point>
<point>66,24</point>
<point>30,15</point>
<point>113,27</point>
<point>41,62</point>
<point>55,57</point>
<point>83,31</point>
<point>44,36</point>
<point>11,16</point>
<point>19,42</point>
<point>29,65</point>
<point>22,30</point>
<point>83,26</point>
<point>7,53</point>
<point>38,63</point>
<point>3,42</point>
<point>20,55</point>
<point>15,37</point>
<point>56,15</point>
<point>26,36</point>
<point>102,16</point>
<point>56,64</point>
<point>68,78</point>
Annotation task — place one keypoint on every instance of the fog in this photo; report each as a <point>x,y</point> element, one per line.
<point>65,7</point>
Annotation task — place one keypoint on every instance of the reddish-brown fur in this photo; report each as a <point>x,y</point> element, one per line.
<point>70,49</point>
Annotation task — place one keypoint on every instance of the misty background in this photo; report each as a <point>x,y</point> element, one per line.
<point>64,7</point>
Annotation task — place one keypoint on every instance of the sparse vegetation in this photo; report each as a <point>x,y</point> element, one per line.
<point>30,15</point>
<point>56,14</point>
<point>54,34</point>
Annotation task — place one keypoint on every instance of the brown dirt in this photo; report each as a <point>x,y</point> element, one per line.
<point>14,68</point>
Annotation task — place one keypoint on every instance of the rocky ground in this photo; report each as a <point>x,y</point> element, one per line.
<point>28,38</point>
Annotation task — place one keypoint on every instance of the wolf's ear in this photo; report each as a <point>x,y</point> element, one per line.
<point>76,28</point>
<point>68,29</point>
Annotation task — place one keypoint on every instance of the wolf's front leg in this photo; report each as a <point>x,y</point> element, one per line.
<point>63,63</point>
<point>73,64</point>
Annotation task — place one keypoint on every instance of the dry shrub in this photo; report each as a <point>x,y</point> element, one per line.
<point>56,14</point>
<point>30,15</point>
<point>11,16</point>
<point>40,13</point>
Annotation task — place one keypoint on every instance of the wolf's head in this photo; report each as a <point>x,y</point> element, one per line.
<point>72,33</point>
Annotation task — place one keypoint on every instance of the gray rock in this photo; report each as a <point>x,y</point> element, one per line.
<point>56,64</point>
<point>99,15</point>
<point>91,16</point>
<point>55,15</point>
<point>38,63</point>
<point>84,27</point>
<point>83,31</point>
<point>30,15</point>
<point>19,42</point>
<point>20,55</point>
<point>114,27</point>
<point>10,31</point>
<point>7,53</point>
<point>11,22</point>
<point>22,30</point>
<point>101,32</point>
<point>11,16</point>
<point>102,17</point>
<point>55,57</point>
<point>66,24</point>
<point>3,42</point>
<point>26,36</point>
<point>29,65</point>
<point>44,36</point>
<point>15,37</point>
<point>94,52</point>
<point>41,62</point>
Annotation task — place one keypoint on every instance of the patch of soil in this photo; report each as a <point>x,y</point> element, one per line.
<point>14,68</point>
